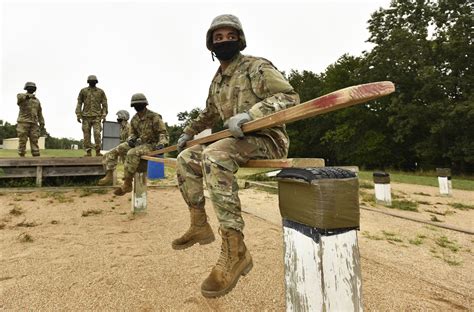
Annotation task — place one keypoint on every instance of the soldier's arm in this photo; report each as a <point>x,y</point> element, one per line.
<point>79,105</point>
<point>274,90</point>
<point>206,119</point>
<point>40,116</point>
<point>162,132</point>
<point>21,97</point>
<point>105,108</point>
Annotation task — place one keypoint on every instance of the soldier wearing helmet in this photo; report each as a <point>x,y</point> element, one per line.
<point>122,118</point>
<point>91,109</point>
<point>147,133</point>
<point>30,120</point>
<point>244,88</point>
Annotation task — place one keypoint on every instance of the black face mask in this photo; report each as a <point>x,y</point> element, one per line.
<point>226,50</point>
<point>139,107</point>
<point>119,120</point>
<point>92,83</point>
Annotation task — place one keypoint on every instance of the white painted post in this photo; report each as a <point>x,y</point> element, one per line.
<point>444,181</point>
<point>383,193</point>
<point>322,261</point>
<point>139,192</point>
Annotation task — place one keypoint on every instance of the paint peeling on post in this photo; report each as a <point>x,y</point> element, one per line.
<point>320,211</point>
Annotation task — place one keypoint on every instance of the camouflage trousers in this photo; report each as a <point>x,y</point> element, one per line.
<point>25,131</point>
<point>131,155</point>
<point>217,164</point>
<point>87,124</point>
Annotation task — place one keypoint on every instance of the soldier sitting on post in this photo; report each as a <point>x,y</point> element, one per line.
<point>29,117</point>
<point>147,133</point>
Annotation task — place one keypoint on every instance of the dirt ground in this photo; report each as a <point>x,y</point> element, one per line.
<point>83,250</point>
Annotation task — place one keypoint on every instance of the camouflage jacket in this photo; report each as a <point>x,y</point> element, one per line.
<point>150,129</point>
<point>95,103</point>
<point>124,131</point>
<point>249,84</point>
<point>30,109</point>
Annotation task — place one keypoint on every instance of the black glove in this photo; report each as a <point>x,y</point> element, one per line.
<point>183,138</point>
<point>132,142</point>
<point>158,147</point>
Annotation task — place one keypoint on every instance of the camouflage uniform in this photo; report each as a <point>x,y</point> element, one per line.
<point>152,132</point>
<point>94,110</point>
<point>29,117</point>
<point>124,131</point>
<point>249,84</point>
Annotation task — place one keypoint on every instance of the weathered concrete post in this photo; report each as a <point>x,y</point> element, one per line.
<point>139,192</point>
<point>320,211</point>
<point>383,193</point>
<point>444,181</point>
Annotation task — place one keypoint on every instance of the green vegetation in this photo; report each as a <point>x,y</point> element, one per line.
<point>16,211</point>
<point>444,242</point>
<point>391,237</point>
<point>404,205</point>
<point>88,192</point>
<point>25,238</point>
<point>461,206</point>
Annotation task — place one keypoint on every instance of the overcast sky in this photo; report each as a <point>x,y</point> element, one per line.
<point>158,48</point>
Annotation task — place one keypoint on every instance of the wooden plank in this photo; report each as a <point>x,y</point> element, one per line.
<point>39,176</point>
<point>50,161</point>
<point>321,105</point>
<point>18,172</point>
<point>259,163</point>
<point>285,163</point>
<point>72,171</point>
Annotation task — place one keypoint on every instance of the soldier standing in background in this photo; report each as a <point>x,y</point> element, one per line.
<point>91,115</point>
<point>244,88</point>
<point>122,118</point>
<point>29,117</point>
<point>147,133</point>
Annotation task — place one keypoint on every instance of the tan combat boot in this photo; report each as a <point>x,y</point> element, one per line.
<point>88,153</point>
<point>108,179</point>
<point>199,231</point>
<point>234,261</point>
<point>126,186</point>
<point>98,153</point>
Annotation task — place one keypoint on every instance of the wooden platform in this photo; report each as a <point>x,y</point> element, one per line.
<point>41,167</point>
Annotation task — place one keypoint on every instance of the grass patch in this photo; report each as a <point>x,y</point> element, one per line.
<point>368,198</point>
<point>366,184</point>
<point>418,240</point>
<point>25,238</point>
<point>461,206</point>
<point>59,197</point>
<point>370,236</point>
<point>89,192</point>
<point>431,228</point>
<point>89,212</point>
<point>425,178</point>
<point>404,205</point>
<point>391,237</point>
<point>16,211</point>
<point>444,242</point>
<point>421,194</point>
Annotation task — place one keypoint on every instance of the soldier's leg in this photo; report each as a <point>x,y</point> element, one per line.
<point>190,182</point>
<point>132,160</point>
<point>97,128</point>
<point>86,130</point>
<point>110,159</point>
<point>221,161</point>
<point>22,133</point>
<point>34,134</point>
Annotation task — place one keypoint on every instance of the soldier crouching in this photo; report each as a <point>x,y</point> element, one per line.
<point>147,133</point>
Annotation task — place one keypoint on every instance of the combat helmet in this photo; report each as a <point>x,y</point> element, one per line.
<point>92,78</point>
<point>226,20</point>
<point>123,114</point>
<point>138,98</point>
<point>29,84</point>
